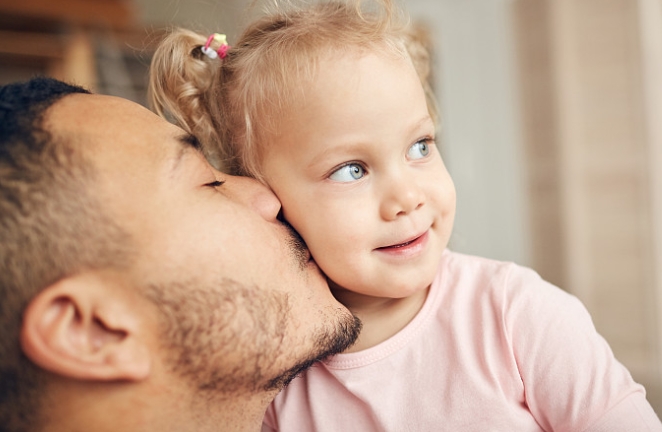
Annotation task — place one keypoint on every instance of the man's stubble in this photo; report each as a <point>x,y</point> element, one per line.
<point>225,337</point>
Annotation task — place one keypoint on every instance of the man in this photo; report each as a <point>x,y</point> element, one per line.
<point>142,289</point>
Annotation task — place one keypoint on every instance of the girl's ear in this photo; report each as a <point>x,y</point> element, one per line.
<point>82,327</point>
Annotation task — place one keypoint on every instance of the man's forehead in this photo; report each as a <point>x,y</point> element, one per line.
<point>98,113</point>
<point>133,153</point>
<point>112,125</point>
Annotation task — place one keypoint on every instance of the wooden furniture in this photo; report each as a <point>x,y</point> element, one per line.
<point>94,43</point>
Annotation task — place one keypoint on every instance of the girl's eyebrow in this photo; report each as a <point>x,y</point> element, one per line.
<point>424,121</point>
<point>352,146</point>
<point>346,147</point>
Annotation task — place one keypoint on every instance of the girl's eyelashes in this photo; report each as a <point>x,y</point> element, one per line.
<point>420,149</point>
<point>349,172</point>
<point>353,171</point>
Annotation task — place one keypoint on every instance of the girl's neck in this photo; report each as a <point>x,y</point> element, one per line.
<point>382,317</point>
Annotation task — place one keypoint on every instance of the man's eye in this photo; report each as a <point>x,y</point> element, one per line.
<point>419,149</point>
<point>215,183</point>
<point>348,173</point>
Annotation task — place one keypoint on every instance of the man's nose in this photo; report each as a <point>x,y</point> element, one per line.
<point>255,195</point>
<point>400,198</point>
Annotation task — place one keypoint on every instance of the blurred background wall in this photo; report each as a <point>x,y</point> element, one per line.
<point>552,128</point>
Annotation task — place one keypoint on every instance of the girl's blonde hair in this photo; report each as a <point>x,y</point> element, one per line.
<point>234,104</point>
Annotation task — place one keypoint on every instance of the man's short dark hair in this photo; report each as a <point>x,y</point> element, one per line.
<point>51,226</point>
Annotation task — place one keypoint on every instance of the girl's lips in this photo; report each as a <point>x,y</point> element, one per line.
<point>408,247</point>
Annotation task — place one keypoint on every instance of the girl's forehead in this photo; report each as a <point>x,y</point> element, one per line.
<point>336,75</point>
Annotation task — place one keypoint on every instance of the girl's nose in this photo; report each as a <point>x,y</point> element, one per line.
<point>401,198</point>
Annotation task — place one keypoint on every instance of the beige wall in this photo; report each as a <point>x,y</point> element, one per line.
<point>589,151</point>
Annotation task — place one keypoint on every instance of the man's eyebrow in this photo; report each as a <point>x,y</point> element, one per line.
<point>187,142</point>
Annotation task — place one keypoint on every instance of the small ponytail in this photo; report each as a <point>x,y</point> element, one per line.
<point>183,87</point>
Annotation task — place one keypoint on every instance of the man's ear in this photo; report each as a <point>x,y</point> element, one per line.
<point>86,328</point>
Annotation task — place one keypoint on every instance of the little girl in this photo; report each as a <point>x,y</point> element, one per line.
<point>329,105</point>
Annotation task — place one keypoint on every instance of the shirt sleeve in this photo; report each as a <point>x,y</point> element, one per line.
<point>572,381</point>
<point>268,422</point>
<point>633,414</point>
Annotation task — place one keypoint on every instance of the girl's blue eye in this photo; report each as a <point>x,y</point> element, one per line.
<point>348,173</point>
<point>419,150</point>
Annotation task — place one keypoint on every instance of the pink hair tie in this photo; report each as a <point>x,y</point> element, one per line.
<point>222,50</point>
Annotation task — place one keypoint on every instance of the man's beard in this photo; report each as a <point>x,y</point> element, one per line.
<point>298,247</point>
<point>327,343</point>
<point>226,340</point>
<point>346,333</point>
<point>225,337</point>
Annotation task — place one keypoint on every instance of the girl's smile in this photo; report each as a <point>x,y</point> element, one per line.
<point>408,249</point>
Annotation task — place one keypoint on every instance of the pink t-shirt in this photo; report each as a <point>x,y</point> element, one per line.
<point>494,348</point>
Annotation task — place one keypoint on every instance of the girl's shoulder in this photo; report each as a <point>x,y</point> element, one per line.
<point>503,284</point>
